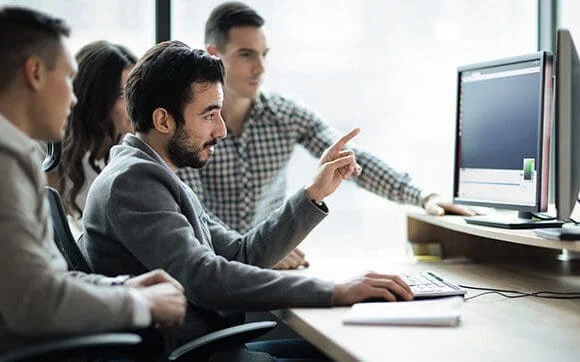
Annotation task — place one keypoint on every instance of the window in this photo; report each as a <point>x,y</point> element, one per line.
<point>130,22</point>
<point>388,67</point>
<point>569,11</point>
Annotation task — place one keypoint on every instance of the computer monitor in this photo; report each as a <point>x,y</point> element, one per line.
<point>567,121</point>
<point>503,139</point>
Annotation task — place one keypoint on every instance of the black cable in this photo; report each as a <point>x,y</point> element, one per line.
<point>557,295</point>
<point>519,294</point>
<point>491,289</point>
<point>500,293</point>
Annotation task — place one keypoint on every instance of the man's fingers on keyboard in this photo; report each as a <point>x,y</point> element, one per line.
<point>397,279</point>
<point>393,287</point>
<point>378,293</point>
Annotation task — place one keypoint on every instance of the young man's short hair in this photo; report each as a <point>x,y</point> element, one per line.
<point>163,78</point>
<point>227,16</point>
<point>25,32</point>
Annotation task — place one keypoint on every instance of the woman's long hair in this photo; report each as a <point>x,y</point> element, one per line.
<point>90,127</point>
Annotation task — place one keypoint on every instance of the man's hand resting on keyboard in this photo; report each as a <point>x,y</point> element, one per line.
<point>371,285</point>
<point>435,205</point>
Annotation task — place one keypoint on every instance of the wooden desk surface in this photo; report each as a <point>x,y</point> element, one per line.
<point>492,328</point>
<point>524,237</point>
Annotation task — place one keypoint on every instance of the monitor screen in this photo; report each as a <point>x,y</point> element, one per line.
<point>567,121</point>
<point>502,133</point>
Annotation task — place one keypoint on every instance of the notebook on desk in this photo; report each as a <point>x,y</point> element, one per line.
<point>435,312</point>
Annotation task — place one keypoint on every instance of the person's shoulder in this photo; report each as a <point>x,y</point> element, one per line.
<point>13,165</point>
<point>128,159</point>
<point>278,100</point>
<point>137,172</point>
<point>281,104</point>
<point>133,167</point>
<point>21,179</point>
<point>14,140</point>
<point>19,161</point>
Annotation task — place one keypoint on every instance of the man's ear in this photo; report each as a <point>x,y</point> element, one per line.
<point>34,72</point>
<point>163,121</point>
<point>212,49</point>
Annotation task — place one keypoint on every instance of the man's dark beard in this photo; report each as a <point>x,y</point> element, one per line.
<point>179,152</point>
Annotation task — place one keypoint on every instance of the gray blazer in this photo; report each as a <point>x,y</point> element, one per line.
<point>39,299</point>
<point>140,216</point>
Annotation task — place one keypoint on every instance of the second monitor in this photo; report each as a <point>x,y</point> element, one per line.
<point>503,138</point>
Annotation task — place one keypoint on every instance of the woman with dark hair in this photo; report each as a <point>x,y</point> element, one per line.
<point>97,122</point>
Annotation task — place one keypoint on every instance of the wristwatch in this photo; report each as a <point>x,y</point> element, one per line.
<point>321,205</point>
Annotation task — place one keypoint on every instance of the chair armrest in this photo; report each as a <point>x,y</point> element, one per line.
<point>222,340</point>
<point>117,344</point>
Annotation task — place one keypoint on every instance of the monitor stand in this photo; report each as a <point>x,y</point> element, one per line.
<point>525,220</point>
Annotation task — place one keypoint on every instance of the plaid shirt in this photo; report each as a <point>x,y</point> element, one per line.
<point>246,180</point>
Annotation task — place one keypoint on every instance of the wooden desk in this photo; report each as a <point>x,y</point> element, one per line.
<point>480,242</point>
<point>493,328</point>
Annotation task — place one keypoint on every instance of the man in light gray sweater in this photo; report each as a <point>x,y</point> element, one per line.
<point>39,299</point>
<point>139,215</point>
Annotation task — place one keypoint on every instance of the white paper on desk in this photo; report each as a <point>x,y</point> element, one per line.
<point>432,312</point>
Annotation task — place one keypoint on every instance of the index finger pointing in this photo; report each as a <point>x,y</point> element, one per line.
<point>338,145</point>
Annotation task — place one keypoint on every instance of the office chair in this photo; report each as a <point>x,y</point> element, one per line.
<point>198,349</point>
<point>52,158</point>
<point>63,236</point>
<point>89,347</point>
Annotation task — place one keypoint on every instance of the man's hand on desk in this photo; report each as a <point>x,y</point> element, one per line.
<point>164,297</point>
<point>371,285</point>
<point>435,205</point>
<point>153,277</point>
<point>293,260</point>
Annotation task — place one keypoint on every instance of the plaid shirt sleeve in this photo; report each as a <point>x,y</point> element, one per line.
<point>376,176</point>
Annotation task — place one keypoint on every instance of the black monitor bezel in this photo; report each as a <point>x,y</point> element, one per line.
<point>546,66</point>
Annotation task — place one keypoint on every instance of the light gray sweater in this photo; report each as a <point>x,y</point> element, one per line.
<point>140,216</point>
<point>39,299</point>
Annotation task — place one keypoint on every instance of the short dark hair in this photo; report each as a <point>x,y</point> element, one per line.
<point>163,78</point>
<point>226,16</point>
<point>25,32</point>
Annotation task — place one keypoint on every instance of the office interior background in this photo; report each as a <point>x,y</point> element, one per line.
<point>386,66</point>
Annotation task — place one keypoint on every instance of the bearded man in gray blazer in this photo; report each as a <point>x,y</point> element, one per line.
<point>140,216</point>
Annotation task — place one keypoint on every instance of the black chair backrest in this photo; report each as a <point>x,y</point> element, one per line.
<point>52,158</point>
<point>63,236</point>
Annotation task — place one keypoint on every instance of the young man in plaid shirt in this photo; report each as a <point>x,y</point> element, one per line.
<point>246,181</point>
